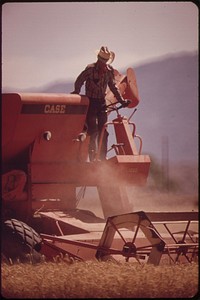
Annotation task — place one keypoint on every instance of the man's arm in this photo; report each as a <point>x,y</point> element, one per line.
<point>82,77</point>
<point>114,88</point>
<point>116,91</point>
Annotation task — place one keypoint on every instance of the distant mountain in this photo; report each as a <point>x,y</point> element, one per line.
<point>58,87</point>
<point>167,115</point>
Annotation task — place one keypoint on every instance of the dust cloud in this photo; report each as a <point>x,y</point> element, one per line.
<point>143,199</point>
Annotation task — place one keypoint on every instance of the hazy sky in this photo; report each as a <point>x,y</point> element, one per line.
<point>46,42</point>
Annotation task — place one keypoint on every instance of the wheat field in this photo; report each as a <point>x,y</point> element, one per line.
<point>94,279</point>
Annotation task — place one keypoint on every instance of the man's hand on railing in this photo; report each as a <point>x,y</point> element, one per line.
<point>125,103</point>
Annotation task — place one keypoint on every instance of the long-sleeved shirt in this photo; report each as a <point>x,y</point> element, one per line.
<point>96,82</point>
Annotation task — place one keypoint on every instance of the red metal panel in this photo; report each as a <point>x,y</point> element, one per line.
<point>124,136</point>
<point>28,116</point>
<point>132,169</point>
<point>132,89</point>
<point>119,169</point>
<point>11,106</point>
<point>53,191</point>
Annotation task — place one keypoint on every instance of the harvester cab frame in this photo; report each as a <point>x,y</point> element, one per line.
<point>45,161</point>
<point>42,146</point>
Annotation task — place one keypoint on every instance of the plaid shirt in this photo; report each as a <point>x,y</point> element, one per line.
<point>96,83</point>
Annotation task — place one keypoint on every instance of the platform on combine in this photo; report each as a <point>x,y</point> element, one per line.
<point>139,235</point>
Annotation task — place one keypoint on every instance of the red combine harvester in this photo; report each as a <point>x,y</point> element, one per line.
<point>45,163</point>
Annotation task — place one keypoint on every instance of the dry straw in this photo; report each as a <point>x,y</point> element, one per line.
<point>93,279</point>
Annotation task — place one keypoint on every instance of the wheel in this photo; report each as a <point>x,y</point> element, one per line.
<point>20,242</point>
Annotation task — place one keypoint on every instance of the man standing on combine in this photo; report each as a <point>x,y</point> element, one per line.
<point>97,76</point>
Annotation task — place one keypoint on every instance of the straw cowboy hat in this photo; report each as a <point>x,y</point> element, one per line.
<point>105,54</point>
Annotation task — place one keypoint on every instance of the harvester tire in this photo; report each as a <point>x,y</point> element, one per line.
<point>20,242</point>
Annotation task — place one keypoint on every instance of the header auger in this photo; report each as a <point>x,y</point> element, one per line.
<point>45,162</point>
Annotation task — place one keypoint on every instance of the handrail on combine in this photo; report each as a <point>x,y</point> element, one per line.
<point>119,147</point>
